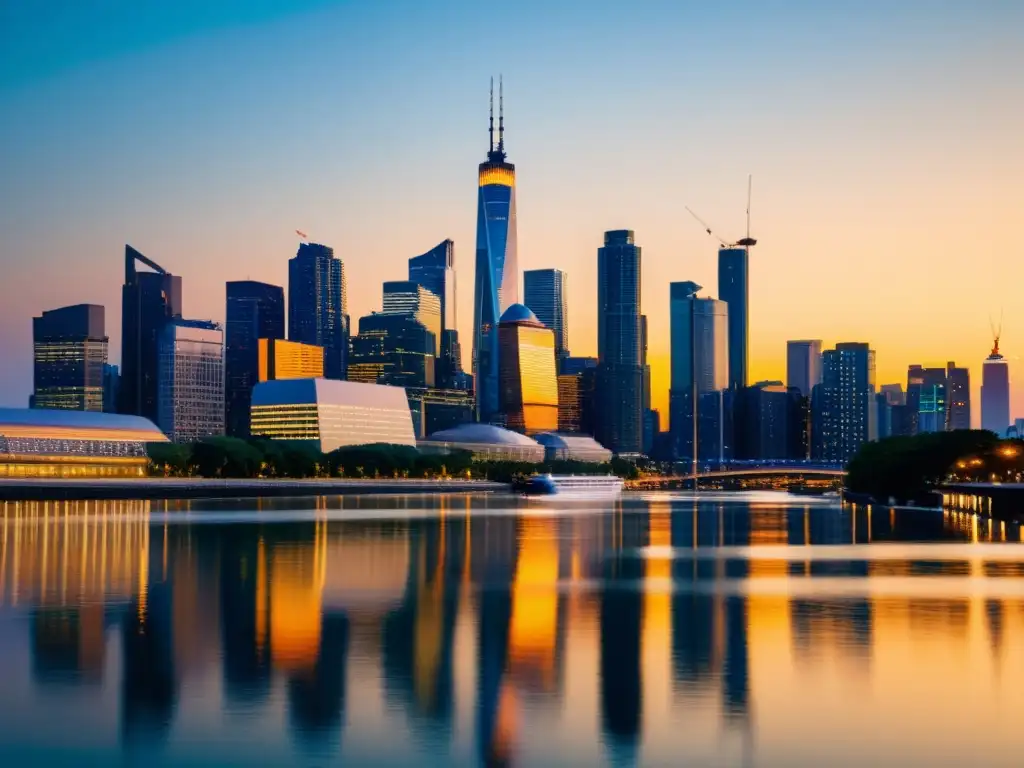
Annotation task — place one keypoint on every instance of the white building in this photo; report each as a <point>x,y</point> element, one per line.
<point>330,414</point>
<point>486,442</point>
<point>563,447</point>
<point>190,380</point>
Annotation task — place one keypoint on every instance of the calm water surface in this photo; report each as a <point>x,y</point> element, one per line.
<point>732,630</point>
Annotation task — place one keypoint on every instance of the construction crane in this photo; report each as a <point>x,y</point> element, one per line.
<point>743,242</point>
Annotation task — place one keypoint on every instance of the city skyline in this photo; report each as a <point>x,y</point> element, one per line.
<point>885,197</point>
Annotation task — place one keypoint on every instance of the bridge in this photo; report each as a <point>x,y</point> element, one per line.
<point>786,474</point>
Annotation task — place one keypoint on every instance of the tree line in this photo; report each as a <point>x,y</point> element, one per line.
<point>230,457</point>
<point>908,468</point>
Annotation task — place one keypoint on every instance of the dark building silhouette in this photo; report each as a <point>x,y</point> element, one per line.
<point>70,355</point>
<point>734,290</point>
<point>958,397</point>
<point>435,271</point>
<point>111,388</point>
<point>497,263</point>
<point>619,426</point>
<point>392,349</point>
<point>577,393</point>
<point>254,311</point>
<point>545,293</point>
<point>768,422</point>
<point>318,305</point>
<point>148,301</point>
<point>845,402</point>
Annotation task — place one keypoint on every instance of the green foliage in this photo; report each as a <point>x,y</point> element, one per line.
<point>906,468</point>
<point>169,459</point>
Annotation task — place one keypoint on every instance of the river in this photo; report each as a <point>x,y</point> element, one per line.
<point>729,629</point>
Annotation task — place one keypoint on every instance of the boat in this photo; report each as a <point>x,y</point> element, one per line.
<point>574,486</point>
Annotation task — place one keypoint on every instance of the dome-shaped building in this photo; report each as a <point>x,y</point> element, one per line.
<point>486,442</point>
<point>559,446</point>
<point>527,380</point>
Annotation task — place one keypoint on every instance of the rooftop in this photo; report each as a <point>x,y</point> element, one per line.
<point>519,313</point>
<point>79,425</point>
<point>481,434</point>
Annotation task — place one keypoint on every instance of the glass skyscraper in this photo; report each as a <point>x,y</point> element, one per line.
<point>699,357</point>
<point>191,380</point>
<point>435,271</point>
<point>529,383</point>
<point>803,365</point>
<point>404,297</point>
<point>545,293</point>
<point>619,424</point>
<point>70,355</point>
<point>958,397</point>
<point>148,301</point>
<point>497,267</point>
<point>995,393</point>
<point>254,311</point>
<point>396,350</point>
<point>845,402</point>
<point>734,290</point>
<point>318,305</point>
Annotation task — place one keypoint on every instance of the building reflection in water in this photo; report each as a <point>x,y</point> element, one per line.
<point>326,617</point>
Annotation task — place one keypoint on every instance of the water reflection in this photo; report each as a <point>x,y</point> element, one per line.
<point>468,630</point>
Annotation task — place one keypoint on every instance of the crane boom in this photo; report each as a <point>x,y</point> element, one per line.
<point>706,227</point>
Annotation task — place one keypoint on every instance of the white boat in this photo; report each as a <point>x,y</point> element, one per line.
<point>574,486</point>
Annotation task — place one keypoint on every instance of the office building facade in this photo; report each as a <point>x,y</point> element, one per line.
<point>768,421</point>
<point>497,265</point>
<point>434,410</point>
<point>318,305</point>
<point>149,300</point>
<point>847,402</point>
<point>435,271</point>
<point>409,299</point>
<point>393,350</point>
<point>958,397</point>
<point>528,394</point>
<point>255,311</point>
<point>577,395</point>
<point>803,365</point>
<point>545,293</point>
<point>699,349</point>
<point>619,425</point>
<point>69,349</point>
<point>111,388</point>
<point>995,393</point>
<point>191,380</point>
<point>280,359</point>
<point>734,290</point>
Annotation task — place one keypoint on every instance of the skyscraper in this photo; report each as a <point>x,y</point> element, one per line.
<point>847,401</point>
<point>254,311</point>
<point>497,269</point>
<point>148,301</point>
<point>769,422</point>
<point>546,295</point>
<point>958,397</point>
<point>927,395</point>
<point>70,355</point>
<point>318,305</point>
<point>995,392</point>
<point>734,290</point>
<point>191,380</point>
<point>803,365</point>
<point>620,360</point>
<point>435,271</point>
<point>706,322</point>
<point>528,392</point>
<point>396,350</point>
<point>279,359</point>
<point>404,297</point>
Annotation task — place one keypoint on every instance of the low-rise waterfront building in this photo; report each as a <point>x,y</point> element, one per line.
<point>486,442</point>
<point>328,414</point>
<point>65,443</point>
<point>562,447</point>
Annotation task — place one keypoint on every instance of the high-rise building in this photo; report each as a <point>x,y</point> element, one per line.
<point>318,305</point>
<point>434,410</point>
<point>995,392</point>
<point>148,301</point>
<point>927,394</point>
<point>435,271</point>
<point>191,380</point>
<point>958,397</point>
<point>497,265</point>
<point>394,350</point>
<point>768,419</point>
<point>528,392</point>
<point>846,406</point>
<point>545,293</point>
<point>254,311</point>
<point>70,353</point>
<point>619,425</point>
<point>893,417</point>
<point>279,359</point>
<point>699,348</point>
<point>569,405</point>
<point>803,365</point>
<point>577,405</point>
<point>111,388</point>
<point>734,290</point>
<point>404,297</point>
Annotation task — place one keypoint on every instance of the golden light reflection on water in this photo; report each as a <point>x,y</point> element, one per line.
<point>570,641</point>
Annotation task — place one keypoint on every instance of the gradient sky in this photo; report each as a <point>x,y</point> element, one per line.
<point>886,141</point>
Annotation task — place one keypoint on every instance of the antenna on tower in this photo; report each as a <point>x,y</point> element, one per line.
<point>501,114</point>
<point>491,129</point>
<point>997,331</point>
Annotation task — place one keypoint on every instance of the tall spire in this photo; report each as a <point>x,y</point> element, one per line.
<point>491,129</point>
<point>501,115</point>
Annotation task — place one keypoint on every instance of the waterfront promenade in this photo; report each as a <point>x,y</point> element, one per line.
<point>205,488</point>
